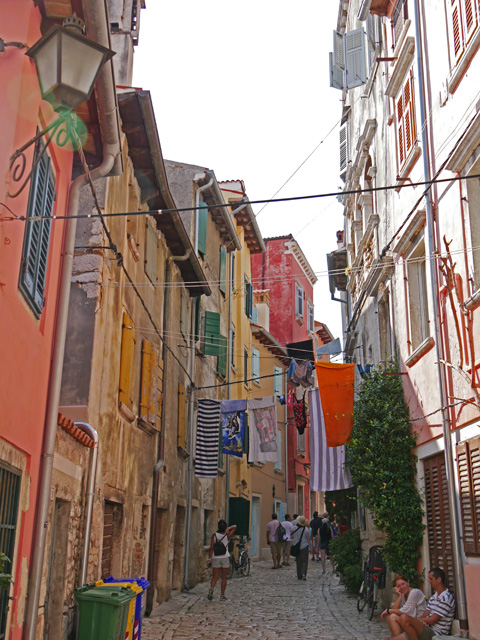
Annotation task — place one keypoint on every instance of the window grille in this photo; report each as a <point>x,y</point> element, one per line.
<point>10,480</point>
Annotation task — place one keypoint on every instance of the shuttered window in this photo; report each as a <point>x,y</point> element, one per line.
<point>278,464</point>
<point>182,423</point>
<point>222,270</point>
<point>468,463</point>
<point>255,365</point>
<point>248,298</point>
<point>202,228</point>
<point>151,250</point>
<point>299,300</point>
<point>10,480</point>
<point>239,509</point>
<point>222,356</point>
<point>211,334</point>
<point>464,22</point>
<point>406,131</point>
<point>33,270</point>
<point>438,517</point>
<point>278,381</point>
<point>126,362</point>
<point>151,384</point>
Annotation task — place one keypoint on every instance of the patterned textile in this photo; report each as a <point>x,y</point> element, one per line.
<point>263,430</point>
<point>337,384</point>
<point>208,434</point>
<point>328,471</point>
<point>300,414</point>
<point>233,426</point>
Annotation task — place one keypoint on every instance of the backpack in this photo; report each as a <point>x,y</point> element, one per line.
<point>219,549</point>
<point>281,532</point>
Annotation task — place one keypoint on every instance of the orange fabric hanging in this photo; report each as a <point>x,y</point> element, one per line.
<point>336,384</point>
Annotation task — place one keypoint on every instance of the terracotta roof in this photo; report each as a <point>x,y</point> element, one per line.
<point>269,342</point>
<point>77,434</point>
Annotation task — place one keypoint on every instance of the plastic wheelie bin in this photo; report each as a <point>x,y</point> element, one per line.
<point>140,600</point>
<point>137,591</point>
<point>103,613</point>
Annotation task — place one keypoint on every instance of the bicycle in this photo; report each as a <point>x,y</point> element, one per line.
<point>241,563</point>
<point>374,572</point>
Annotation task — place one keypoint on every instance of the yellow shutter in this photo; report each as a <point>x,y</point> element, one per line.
<point>159,388</point>
<point>126,361</point>
<point>147,398</point>
<point>181,439</point>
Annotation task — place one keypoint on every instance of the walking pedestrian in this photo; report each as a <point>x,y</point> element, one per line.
<point>273,543</point>
<point>289,527</point>
<point>219,557</point>
<point>315,523</point>
<point>325,534</point>
<point>301,535</point>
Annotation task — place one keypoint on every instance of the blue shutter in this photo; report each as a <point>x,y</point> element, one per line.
<point>202,228</point>
<point>211,333</point>
<point>255,365</point>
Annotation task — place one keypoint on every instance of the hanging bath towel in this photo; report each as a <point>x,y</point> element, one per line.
<point>327,464</point>
<point>262,414</point>
<point>233,426</point>
<point>208,432</point>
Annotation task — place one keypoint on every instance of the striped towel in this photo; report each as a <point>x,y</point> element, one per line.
<point>328,471</point>
<point>208,439</point>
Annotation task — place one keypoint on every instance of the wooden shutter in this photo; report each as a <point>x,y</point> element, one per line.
<point>471,18</point>
<point>355,52</point>
<point>222,270</point>
<point>468,464</point>
<point>159,382</point>
<point>126,361</point>
<point>182,423</point>
<point>438,517</point>
<point>222,356</point>
<point>150,391</point>
<point>248,299</point>
<point>202,228</point>
<point>240,515</point>
<point>151,249</point>
<point>406,120</point>
<point>457,29</point>
<point>211,342</point>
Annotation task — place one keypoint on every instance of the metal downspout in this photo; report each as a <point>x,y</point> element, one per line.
<point>447,434</point>
<point>89,497</point>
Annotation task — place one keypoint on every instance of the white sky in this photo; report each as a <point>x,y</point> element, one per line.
<point>243,88</point>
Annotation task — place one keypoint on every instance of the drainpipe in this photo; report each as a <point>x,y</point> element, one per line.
<point>447,434</point>
<point>95,17</point>
<point>160,447</point>
<point>89,496</point>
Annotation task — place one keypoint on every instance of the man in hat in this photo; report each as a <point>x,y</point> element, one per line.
<point>301,534</point>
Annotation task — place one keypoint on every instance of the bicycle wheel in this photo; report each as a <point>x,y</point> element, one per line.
<point>244,564</point>
<point>362,597</point>
<point>232,567</point>
<point>372,603</point>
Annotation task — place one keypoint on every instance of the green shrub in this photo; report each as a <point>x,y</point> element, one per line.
<point>347,555</point>
<point>5,578</point>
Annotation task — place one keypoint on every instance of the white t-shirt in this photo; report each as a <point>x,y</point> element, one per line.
<point>223,538</point>
<point>415,604</point>
<point>288,526</point>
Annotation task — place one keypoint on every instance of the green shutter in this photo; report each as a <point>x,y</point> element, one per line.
<point>222,270</point>
<point>248,299</point>
<point>211,334</point>
<point>240,515</point>
<point>202,228</point>
<point>222,356</point>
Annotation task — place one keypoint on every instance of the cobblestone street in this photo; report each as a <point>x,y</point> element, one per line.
<point>267,604</point>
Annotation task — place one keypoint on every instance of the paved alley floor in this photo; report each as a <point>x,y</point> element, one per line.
<point>266,604</point>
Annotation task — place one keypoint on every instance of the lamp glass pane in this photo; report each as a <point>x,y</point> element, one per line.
<point>80,64</point>
<point>46,61</point>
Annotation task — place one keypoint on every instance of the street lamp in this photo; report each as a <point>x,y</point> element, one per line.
<point>67,64</point>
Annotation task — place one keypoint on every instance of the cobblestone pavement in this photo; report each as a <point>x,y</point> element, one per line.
<point>266,604</point>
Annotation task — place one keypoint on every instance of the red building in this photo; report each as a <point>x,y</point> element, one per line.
<point>32,256</point>
<point>284,270</point>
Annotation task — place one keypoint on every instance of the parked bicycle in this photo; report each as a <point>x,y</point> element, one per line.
<point>374,573</point>
<point>239,558</point>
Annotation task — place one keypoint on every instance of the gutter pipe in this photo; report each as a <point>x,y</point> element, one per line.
<point>89,497</point>
<point>95,17</point>
<point>447,434</point>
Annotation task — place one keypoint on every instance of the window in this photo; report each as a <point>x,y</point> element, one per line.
<point>248,298</point>
<point>417,295</point>
<point>151,383</point>
<point>344,148</point>
<point>299,294</point>
<point>202,219</point>
<point>278,381</point>
<point>468,460</point>
<point>10,480</point>
<point>245,366</point>
<point>184,315</point>
<point>222,355</point>
<point>310,318</point>
<point>463,24</point>
<point>211,333</point>
<point>405,112</point>
<point>348,60</point>
<point>222,270</point>
<point>374,37</point>
<point>181,420</point>
<point>399,16</point>
<point>33,271</point>
<point>255,365</point>
<point>385,327</point>
<point>278,466</point>
<point>301,442</point>
<point>300,505</point>
<point>151,248</point>
<point>198,316</point>
<point>126,362</point>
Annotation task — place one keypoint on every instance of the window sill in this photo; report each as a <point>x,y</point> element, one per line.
<point>464,63</point>
<point>408,166</point>
<point>182,452</point>
<point>126,412</point>
<point>300,320</point>
<point>420,351</point>
<point>146,426</point>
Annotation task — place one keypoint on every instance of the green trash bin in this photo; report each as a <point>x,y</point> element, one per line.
<point>103,613</point>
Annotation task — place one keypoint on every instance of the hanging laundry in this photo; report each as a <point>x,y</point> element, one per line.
<point>292,367</point>
<point>328,469</point>
<point>336,383</point>
<point>233,426</point>
<point>263,430</point>
<point>208,432</point>
<point>300,414</point>
<point>289,399</point>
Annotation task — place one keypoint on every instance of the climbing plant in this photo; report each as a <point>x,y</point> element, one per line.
<point>382,464</point>
<point>341,504</point>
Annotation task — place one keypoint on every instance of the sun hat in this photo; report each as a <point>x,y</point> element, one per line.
<point>302,521</point>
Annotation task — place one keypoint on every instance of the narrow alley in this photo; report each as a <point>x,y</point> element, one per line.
<point>266,604</point>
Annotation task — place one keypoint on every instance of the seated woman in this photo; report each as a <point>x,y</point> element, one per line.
<point>410,601</point>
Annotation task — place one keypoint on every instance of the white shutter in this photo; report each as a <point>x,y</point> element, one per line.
<point>344,142</point>
<point>355,56</point>
<point>338,50</point>
<point>336,75</point>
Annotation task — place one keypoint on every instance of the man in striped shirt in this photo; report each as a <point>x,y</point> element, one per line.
<point>438,616</point>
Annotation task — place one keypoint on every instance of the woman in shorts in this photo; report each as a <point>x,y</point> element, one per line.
<point>220,562</point>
